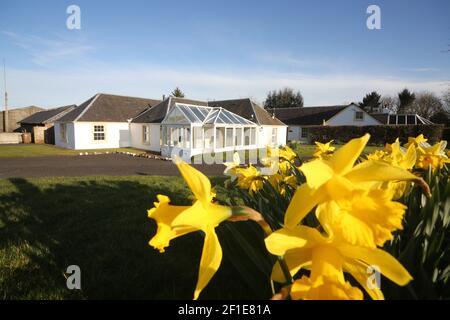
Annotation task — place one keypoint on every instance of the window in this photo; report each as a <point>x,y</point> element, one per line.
<point>208,138</point>
<point>99,133</point>
<point>359,115</point>
<point>220,137</point>
<point>304,134</point>
<point>274,136</point>
<point>247,136</point>
<point>197,138</point>
<point>229,141</point>
<point>252,136</point>
<point>238,140</point>
<point>145,134</point>
<point>63,131</point>
<point>187,137</point>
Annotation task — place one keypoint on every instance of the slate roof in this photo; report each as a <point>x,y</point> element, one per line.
<point>307,115</point>
<point>47,116</point>
<point>109,108</point>
<point>249,110</point>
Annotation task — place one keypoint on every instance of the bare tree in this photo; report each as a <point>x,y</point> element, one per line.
<point>426,104</point>
<point>390,103</point>
<point>446,98</point>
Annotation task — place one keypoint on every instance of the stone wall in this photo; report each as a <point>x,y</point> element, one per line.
<point>16,115</point>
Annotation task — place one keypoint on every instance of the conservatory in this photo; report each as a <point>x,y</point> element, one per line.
<point>189,130</point>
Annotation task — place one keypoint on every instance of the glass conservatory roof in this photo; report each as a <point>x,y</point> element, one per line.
<point>184,113</point>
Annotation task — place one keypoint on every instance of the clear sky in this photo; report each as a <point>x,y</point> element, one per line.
<point>222,49</point>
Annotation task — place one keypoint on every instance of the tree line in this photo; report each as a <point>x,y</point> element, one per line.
<point>426,104</point>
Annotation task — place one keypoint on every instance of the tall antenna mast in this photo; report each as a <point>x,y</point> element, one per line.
<point>6,118</point>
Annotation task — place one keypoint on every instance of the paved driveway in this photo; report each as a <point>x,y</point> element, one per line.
<point>106,164</point>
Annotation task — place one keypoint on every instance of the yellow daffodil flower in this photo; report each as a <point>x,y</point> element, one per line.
<point>367,218</point>
<point>323,150</point>
<point>397,156</point>
<point>419,142</point>
<point>433,156</point>
<point>328,258</point>
<point>338,177</point>
<point>230,169</point>
<point>203,215</point>
<point>279,182</point>
<point>377,155</point>
<point>249,178</point>
<point>164,214</point>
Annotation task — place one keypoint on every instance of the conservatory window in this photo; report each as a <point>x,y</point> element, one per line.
<point>229,137</point>
<point>197,139</point>
<point>238,140</point>
<point>220,137</point>
<point>247,136</point>
<point>252,136</point>
<point>209,138</point>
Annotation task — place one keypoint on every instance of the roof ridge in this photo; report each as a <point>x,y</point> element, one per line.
<point>123,96</point>
<point>87,107</point>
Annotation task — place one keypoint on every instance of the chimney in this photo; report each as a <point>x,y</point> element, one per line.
<point>164,97</point>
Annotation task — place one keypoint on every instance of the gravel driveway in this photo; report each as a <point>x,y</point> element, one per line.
<point>105,164</point>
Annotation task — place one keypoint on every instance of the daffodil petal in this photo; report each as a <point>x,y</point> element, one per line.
<point>197,181</point>
<point>209,262</point>
<point>303,201</point>
<point>378,171</point>
<point>344,158</point>
<point>358,271</point>
<point>317,172</point>
<point>386,263</point>
<point>295,259</point>
<point>285,239</point>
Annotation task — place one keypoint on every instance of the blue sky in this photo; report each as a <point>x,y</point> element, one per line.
<point>222,49</point>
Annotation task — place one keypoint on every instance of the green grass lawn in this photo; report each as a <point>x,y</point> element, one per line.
<point>307,150</point>
<point>41,150</point>
<point>101,225</point>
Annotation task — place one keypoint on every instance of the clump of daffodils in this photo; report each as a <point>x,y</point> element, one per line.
<point>352,199</point>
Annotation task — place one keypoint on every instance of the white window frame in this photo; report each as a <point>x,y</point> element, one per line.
<point>145,134</point>
<point>63,132</point>
<point>94,131</point>
<point>356,117</point>
<point>304,133</point>
<point>274,135</point>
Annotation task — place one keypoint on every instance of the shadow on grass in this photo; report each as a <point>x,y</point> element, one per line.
<point>101,225</point>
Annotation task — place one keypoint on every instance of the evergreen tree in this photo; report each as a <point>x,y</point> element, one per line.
<point>406,99</point>
<point>284,98</point>
<point>177,93</point>
<point>371,102</point>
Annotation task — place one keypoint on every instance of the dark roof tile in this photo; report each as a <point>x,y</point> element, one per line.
<point>47,116</point>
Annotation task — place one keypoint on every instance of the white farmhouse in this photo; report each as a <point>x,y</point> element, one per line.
<point>189,127</point>
<point>300,119</point>
<point>101,122</point>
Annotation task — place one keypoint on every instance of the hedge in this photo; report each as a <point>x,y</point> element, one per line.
<point>380,134</point>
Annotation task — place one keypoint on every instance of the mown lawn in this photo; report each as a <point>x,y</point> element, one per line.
<point>101,225</point>
<point>42,150</point>
<point>307,150</point>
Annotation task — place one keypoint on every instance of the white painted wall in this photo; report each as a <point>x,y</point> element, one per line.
<point>264,134</point>
<point>70,135</point>
<point>136,137</point>
<point>347,118</point>
<point>117,135</point>
<point>293,133</point>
